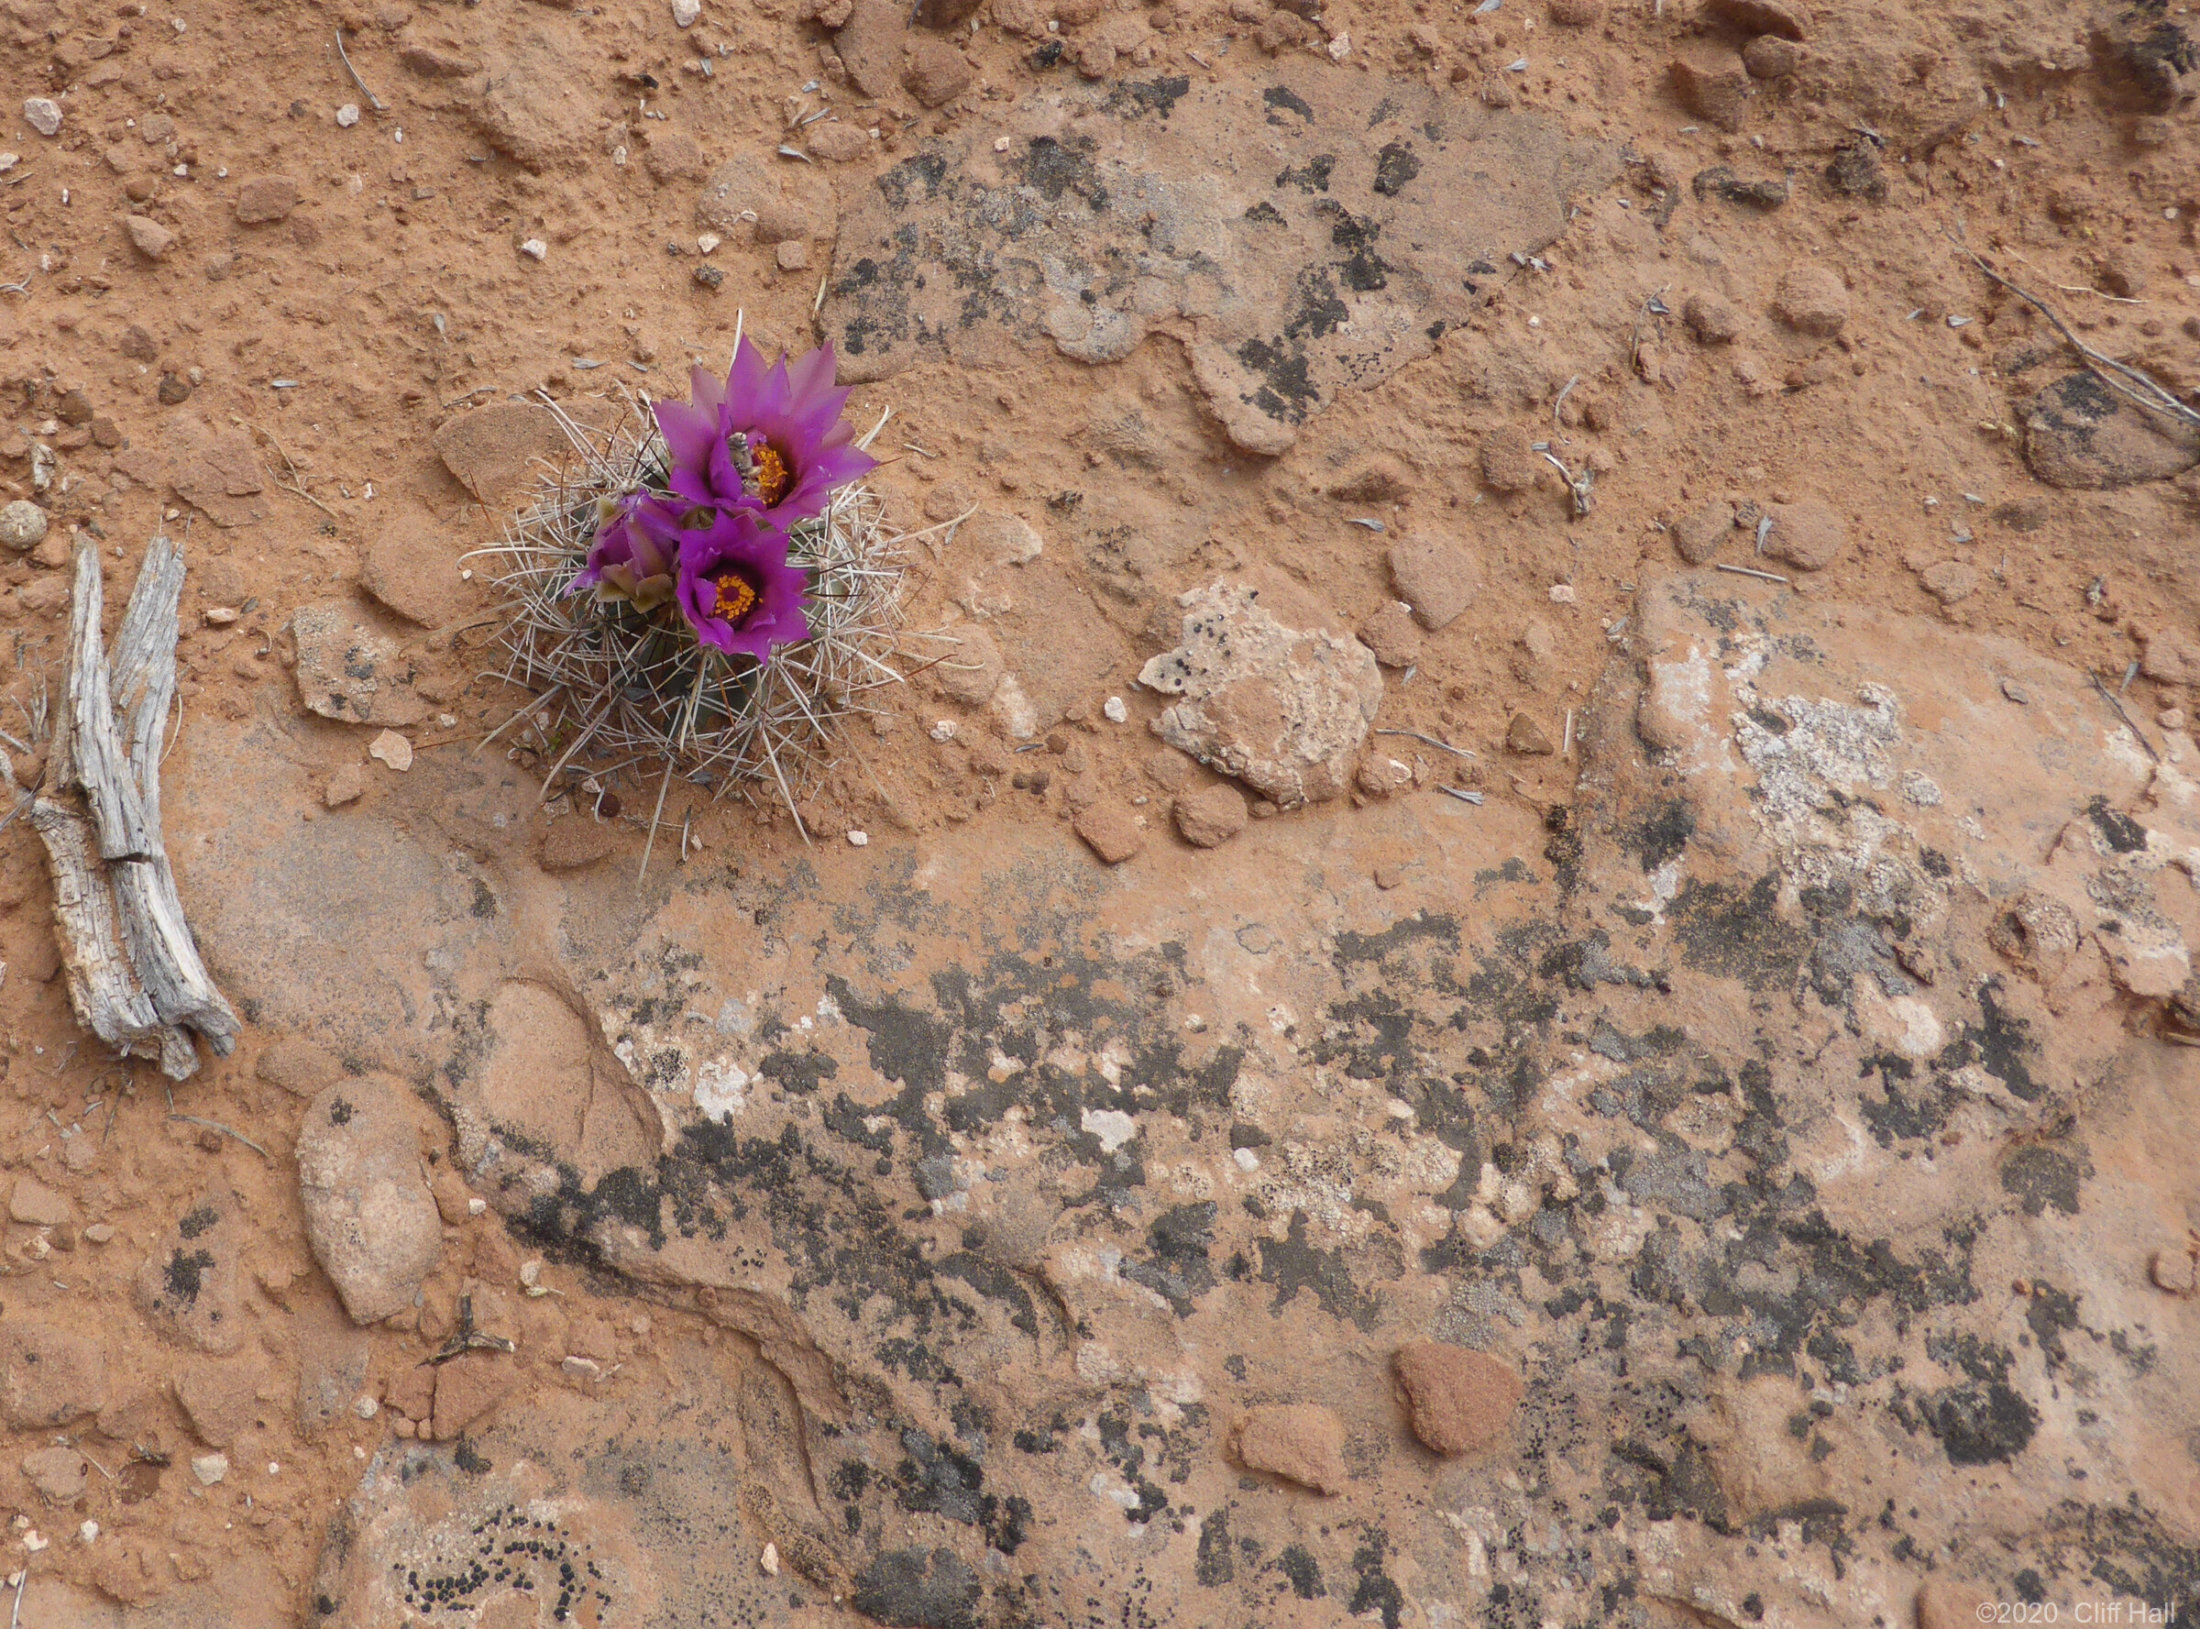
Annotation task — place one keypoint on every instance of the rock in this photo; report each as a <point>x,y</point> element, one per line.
<point>1381,776</point>
<point>686,13</point>
<point>1784,18</point>
<point>837,143</point>
<point>467,1388</point>
<point>2171,656</point>
<point>190,1284</point>
<point>937,73</point>
<point>57,1473</point>
<point>674,155</point>
<point>494,450</point>
<point>1528,738</point>
<point>370,1216</point>
<point>266,198</point>
<point>1381,479</point>
<point>1811,300</point>
<point>210,1470</point>
<point>1393,635</point>
<point>216,472</point>
<point>1300,1442</point>
<point>350,673</point>
<point>220,1400</point>
<point>49,1376</point>
<point>751,197</point>
<point>1711,320</point>
<point>1210,818</point>
<point>42,114</point>
<point>2171,1268</point>
<point>1111,831</point>
<point>1438,577</point>
<point>22,525</point>
<point>999,538</point>
<point>527,110</point>
<point>297,1066</point>
<point>1510,462</point>
<point>1949,582</point>
<point>36,1205</point>
<point>1768,56</point>
<point>1697,536</point>
<point>1281,709</point>
<point>332,1359</point>
<point>151,239</point>
<point>1809,535</point>
<point>413,569</point>
<point>576,841</point>
<point>1458,1401</point>
<point>346,784</point>
<point>393,750</point>
<point>972,670</point>
<point>1716,88</point>
<point>944,13</point>
<point>1947,1603</point>
<point>1230,265</point>
<point>1577,13</point>
<point>2080,434</point>
<point>870,43</point>
<point>912,1590</point>
<point>433,62</point>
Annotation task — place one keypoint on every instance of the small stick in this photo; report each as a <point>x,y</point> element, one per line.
<point>1562,395</point>
<point>378,104</point>
<point>1745,571</point>
<point>1462,795</point>
<point>22,1582</point>
<point>214,1125</point>
<point>1567,749</point>
<point>2114,701</point>
<point>1431,741</point>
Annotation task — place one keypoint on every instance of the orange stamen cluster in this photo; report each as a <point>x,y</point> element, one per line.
<point>772,475</point>
<point>736,596</point>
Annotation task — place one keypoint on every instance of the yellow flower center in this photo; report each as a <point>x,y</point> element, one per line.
<point>736,596</point>
<point>772,475</point>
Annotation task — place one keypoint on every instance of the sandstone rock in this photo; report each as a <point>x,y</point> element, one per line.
<point>413,569</point>
<point>1577,13</point>
<point>1381,479</point>
<point>297,1065</point>
<point>576,841</point>
<point>2171,656</point>
<point>1716,88</point>
<point>1711,320</point>
<point>1950,581</point>
<point>674,155</point>
<point>22,525</point>
<point>1210,818</point>
<point>837,143</point>
<point>527,111</point>
<point>350,673</point>
<point>265,198</point>
<point>2171,1268</point>
<point>1768,56</point>
<point>1812,300</point>
<point>1697,536</point>
<point>36,1205</point>
<point>1784,18</point>
<point>42,114</point>
<point>870,43</point>
<point>332,1359</point>
<point>999,538</point>
<point>1393,635</point>
<point>1510,462</point>
<point>148,236</point>
<point>369,1214</point>
<point>1300,1442</point>
<point>467,1388</point>
<point>57,1473</point>
<point>1382,776</point>
<point>1458,1401</point>
<point>1111,831</point>
<point>496,450</point>
<point>1948,1603</point>
<point>1439,577</point>
<point>972,669</point>
<point>219,1399</point>
<point>347,784</point>
<point>434,62</point>
<point>2080,434</point>
<point>1809,535</point>
<point>937,73</point>
<point>1283,710</point>
<point>190,1284</point>
<point>1528,738</point>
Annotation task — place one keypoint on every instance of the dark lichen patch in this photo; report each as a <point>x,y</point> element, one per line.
<point>1738,933</point>
<point>2043,1177</point>
<point>1338,1284</point>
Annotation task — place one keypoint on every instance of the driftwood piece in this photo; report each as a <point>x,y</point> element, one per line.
<point>135,975</point>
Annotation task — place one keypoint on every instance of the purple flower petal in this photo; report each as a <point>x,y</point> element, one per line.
<point>788,415</point>
<point>738,558</point>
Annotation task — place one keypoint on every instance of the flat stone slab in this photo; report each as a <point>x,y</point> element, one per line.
<point>1304,232</point>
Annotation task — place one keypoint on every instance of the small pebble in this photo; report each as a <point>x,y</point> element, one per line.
<point>210,1468</point>
<point>477,1207</point>
<point>34,1541</point>
<point>1562,593</point>
<point>1114,711</point>
<point>220,616</point>
<point>88,1532</point>
<point>944,730</point>
<point>43,114</point>
<point>392,749</point>
<point>347,115</point>
<point>366,1408</point>
<point>685,13</point>
<point>769,1561</point>
<point>707,242</point>
<point>858,839</point>
<point>534,249</point>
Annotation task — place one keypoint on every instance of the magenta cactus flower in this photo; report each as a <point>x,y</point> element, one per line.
<point>737,589</point>
<point>768,441</point>
<point>636,552</point>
